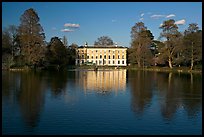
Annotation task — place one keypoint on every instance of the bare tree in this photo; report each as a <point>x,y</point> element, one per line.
<point>103,41</point>
<point>64,41</point>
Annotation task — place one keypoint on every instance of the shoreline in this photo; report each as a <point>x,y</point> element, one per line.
<point>155,69</point>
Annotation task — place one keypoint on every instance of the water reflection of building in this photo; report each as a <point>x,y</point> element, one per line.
<point>102,81</point>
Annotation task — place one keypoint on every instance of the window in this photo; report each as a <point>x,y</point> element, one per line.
<point>100,62</point>
<point>113,56</point>
<point>118,56</point>
<point>87,57</point>
<point>92,57</point>
<point>96,57</point>
<point>104,62</point>
<point>123,62</point>
<point>104,56</point>
<point>109,57</point>
<point>123,57</point>
<point>100,56</point>
<point>118,61</point>
<point>109,62</point>
<point>82,56</point>
<point>96,62</point>
<point>113,62</point>
<point>109,51</point>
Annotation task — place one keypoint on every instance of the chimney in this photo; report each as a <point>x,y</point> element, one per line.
<point>86,44</point>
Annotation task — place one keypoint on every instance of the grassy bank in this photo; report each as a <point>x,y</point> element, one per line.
<point>167,69</point>
<point>153,68</point>
<point>90,67</point>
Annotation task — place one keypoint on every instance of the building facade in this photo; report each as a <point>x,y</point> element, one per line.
<point>101,56</point>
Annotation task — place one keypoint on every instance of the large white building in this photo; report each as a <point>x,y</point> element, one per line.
<point>102,55</point>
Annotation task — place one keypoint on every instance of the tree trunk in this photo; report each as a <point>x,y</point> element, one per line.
<point>191,63</point>
<point>138,63</point>
<point>192,56</point>
<point>170,63</point>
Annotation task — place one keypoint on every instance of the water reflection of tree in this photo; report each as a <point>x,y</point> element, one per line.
<point>57,81</point>
<point>31,97</point>
<point>192,94</point>
<point>169,90</point>
<point>177,91</point>
<point>141,89</point>
<point>10,81</point>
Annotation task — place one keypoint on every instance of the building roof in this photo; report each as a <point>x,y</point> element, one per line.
<point>101,46</point>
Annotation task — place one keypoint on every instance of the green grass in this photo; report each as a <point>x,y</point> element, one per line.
<point>167,69</point>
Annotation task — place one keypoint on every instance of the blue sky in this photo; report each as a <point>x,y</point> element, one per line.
<point>84,22</point>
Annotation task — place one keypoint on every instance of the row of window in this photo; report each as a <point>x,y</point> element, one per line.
<point>105,51</point>
<point>104,62</point>
<point>109,57</point>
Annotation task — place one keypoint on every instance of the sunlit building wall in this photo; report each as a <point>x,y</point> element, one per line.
<point>101,56</point>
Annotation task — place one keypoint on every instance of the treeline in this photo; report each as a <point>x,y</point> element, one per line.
<point>180,49</point>
<point>25,46</point>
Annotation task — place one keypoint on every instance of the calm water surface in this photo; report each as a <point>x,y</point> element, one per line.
<point>102,102</point>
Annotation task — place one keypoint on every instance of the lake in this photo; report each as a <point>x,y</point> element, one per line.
<point>103,102</point>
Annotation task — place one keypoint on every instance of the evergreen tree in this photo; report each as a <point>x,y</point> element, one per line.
<point>139,52</point>
<point>192,45</point>
<point>173,41</point>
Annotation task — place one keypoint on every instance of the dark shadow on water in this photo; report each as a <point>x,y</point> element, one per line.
<point>174,91</point>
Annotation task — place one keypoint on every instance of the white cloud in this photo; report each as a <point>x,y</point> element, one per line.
<point>67,30</point>
<point>155,16</point>
<point>170,15</point>
<point>141,18</point>
<point>71,25</point>
<point>142,15</point>
<point>180,22</point>
<point>160,24</point>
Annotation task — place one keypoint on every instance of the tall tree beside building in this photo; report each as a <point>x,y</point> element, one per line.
<point>139,52</point>
<point>193,44</point>
<point>31,38</point>
<point>57,53</point>
<point>72,53</point>
<point>103,41</point>
<point>173,41</point>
